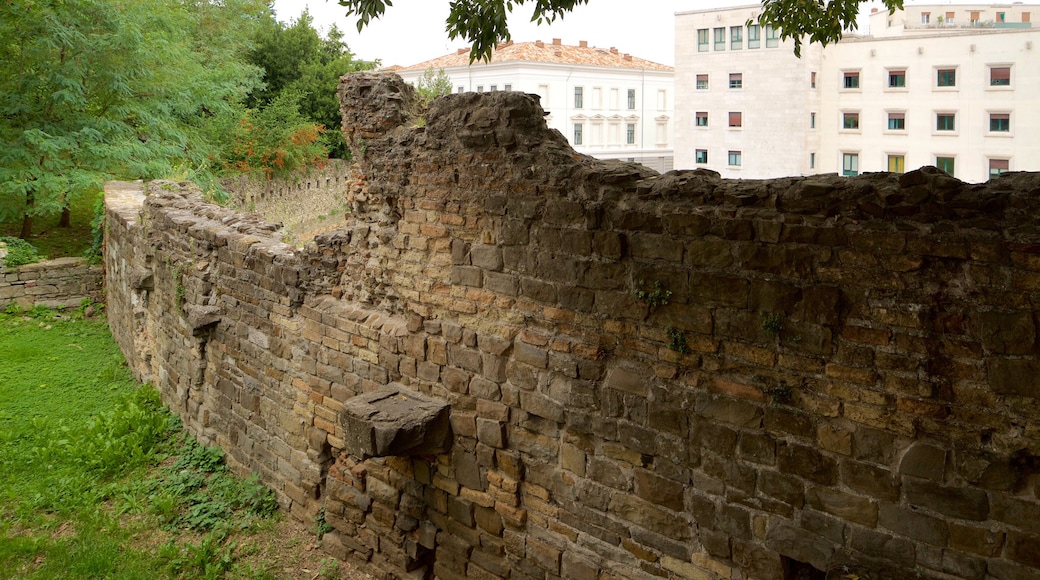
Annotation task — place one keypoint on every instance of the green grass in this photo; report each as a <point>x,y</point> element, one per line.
<point>55,242</point>
<point>96,478</point>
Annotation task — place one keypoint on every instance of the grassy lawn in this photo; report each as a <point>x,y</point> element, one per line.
<point>98,481</point>
<point>55,242</point>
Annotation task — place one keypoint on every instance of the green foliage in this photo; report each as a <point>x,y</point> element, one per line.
<point>19,252</point>
<point>67,514</point>
<point>124,437</point>
<point>198,493</point>
<point>97,88</point>
<point>433,84</point>
<point>275,140</point>
<point>97,229</point>
<point>773,324</point>
<point>822,22</point>
<point>322,526</point>
<point>677,340</point>
<point>654,295</point>
<point>297,60</point>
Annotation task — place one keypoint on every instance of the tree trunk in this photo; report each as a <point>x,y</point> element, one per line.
<point>66,220</point>
<point>27,220</point>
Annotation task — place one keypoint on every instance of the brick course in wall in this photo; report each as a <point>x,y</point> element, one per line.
<point>58,283</point>
<point>649,375</point>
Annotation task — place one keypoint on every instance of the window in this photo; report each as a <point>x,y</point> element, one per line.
<point>480,88</point>
<point>578,129</point>
<point>720,39</point>
<point>702,156</point>
<point>974,16</point>
<point>460,89</point>
<point>946,77</point>
<point>812,160</point>
<point>1000,16</point>
<point>945,121</point>
<point>494,88</point>
<point>754,38</point>
<point>736,80</point>
<point>945,163</point>
<point>1000,122</point>
<point>897,121</point>
<point>896,164</point>
<point>897,79</point>
<point>812,80</point>
<point>630,133</point>
<point>733,159</point>
<point>850,164</point>
<point>999,76</point>
<point>736,37</point>
<point>1025,17</point>
<point>812,120</point>
<point>851,80</point>
<point>579,97</point>
<point>702,40</point>
<point>702,118</point>
<point>631,99</point>
<point>850,120</point>
<point>735,119</point>
<point>662,99</point>
<point>772,37</point>
<point>950,17</point>
<point>998,166</point>
<point>507,87</point>
<point>662,133</point>
<point>926,17</point>
<point>702,82</point>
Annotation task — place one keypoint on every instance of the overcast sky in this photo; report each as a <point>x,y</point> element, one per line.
<point>412,31</point>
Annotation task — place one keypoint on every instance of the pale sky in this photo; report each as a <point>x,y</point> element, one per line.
<point>412,31</point>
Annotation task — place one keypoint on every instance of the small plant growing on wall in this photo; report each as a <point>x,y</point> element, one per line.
<point>773,324</point>
<point>778,392</point>
<point>652,294</point>
<point>677,340</point>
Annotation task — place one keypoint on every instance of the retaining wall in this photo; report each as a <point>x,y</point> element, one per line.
<point>649,375</point>
<point>58,283</point>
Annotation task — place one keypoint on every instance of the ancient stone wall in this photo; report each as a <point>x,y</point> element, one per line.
<point>649,375</point>
<point>58,283</point>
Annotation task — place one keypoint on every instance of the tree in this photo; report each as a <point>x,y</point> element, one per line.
<point>433,84</point>
<point>90,89</point>
<point>296,58</point>
<point>483,22</point>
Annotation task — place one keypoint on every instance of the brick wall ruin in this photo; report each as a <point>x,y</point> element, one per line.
<point>648,375</point>
<point>58,283</point>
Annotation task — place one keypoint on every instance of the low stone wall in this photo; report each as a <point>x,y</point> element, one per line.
<point>648,375</point>
<point>59,283</point>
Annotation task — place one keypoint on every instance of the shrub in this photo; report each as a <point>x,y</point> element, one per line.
<point>19,252</point>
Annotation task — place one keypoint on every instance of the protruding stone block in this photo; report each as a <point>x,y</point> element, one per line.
<point>395,421</point>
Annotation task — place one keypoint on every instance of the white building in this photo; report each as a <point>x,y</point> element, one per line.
<point>608,104</point>
<point>953,86</point>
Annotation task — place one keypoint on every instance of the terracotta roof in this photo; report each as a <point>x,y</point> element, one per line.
<point>538,51</point>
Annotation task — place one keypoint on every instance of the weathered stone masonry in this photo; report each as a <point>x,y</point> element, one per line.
<point>649,376</point>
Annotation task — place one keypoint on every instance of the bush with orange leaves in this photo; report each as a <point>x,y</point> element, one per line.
<point>275,140</point>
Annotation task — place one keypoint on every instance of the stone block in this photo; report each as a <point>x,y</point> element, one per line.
<point>395,421</point>
<point>1009,376</point>
<point>914,525</point>
<point>800,544</point>
<point>956,502</point>
<point>846,506</point>
<point>1006,332</point>
<point>808,463</point>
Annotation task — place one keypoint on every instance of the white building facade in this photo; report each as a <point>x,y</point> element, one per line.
<point>608,104</point>
<point>963,97</point>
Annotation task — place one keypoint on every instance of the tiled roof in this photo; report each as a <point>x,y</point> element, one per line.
<point>538,51</point>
